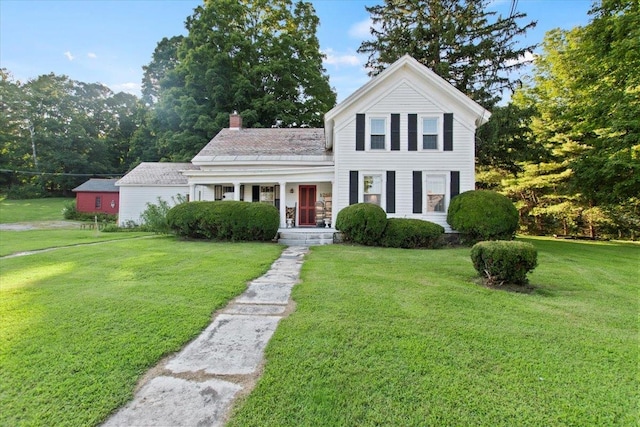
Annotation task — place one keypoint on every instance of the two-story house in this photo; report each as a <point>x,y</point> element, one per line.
<point>405,141</point>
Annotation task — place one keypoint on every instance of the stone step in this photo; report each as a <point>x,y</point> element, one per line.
<point>305,242</point>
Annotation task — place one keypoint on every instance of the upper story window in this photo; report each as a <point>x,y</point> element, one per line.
<point>372,189</point>
<point>378,131</point>
<point>429,133</point>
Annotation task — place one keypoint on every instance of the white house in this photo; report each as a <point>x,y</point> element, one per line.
<point>405,141</point>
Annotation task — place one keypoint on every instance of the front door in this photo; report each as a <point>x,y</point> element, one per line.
<point>307,205</point>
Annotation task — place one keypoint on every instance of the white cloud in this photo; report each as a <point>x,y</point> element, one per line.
<point>92,55</point>
<point>132,88</point>
<point>528,57</point>
<point>69,56</point>
<point>361,30</point>
<point>348,59</point>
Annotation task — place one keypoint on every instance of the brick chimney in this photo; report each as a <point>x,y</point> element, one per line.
<point>235,121</point>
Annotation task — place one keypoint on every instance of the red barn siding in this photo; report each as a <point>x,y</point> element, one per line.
<point>86,202</point>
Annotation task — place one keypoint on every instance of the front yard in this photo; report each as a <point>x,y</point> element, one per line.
<point>378,337</point>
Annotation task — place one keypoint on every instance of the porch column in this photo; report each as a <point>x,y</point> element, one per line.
<point>333,199</point>
<point>236,191</point>
<point>283,204</point>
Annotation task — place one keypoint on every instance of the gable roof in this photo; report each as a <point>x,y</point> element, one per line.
<point>425,73</point>
<point>263,144</point>
<point>148,173</point>
<point>97,185</point>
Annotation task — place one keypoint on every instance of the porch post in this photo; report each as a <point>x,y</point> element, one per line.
<point>283,204</point>
<point>236,191</point>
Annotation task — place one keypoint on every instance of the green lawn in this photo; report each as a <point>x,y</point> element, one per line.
<point>79,326</point>
<point>32,209</point>
<point>404,338</point>
<point>29,240</point>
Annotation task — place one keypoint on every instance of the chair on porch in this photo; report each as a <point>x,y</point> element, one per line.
<point>291,216</point>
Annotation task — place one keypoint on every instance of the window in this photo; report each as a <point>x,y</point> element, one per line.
<point>378,133</point>
<point>267,194</point>
<point>429,133</point>
<point>98,202</point>
<point>372,191</point>
<point>436,185</point>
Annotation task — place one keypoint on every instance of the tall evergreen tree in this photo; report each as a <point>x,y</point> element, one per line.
<point>258,57</point>
<point>472,48</point>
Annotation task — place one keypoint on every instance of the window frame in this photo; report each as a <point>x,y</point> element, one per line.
<point>361,190</point>
<point>98,202</point>
<point>387,132</point>
<point>425,192</point>
<point>440,132</point>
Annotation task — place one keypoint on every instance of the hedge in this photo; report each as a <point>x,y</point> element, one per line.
<point>224,220</point>
<point>483,215</point>
<point>412,233</point>
<point>501,262</point>
<point>362,223</point>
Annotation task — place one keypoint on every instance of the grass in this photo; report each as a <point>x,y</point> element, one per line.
<point>400,337</point>
<point>32,209</point>
<point>79,327</point>
<point>29,240</point>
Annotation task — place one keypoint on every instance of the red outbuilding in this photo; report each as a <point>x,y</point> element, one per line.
<point>98,195</point>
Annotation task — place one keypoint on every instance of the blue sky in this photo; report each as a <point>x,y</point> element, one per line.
<point>108,41</point>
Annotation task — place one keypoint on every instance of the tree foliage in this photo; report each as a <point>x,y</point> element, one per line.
<point>258,57</point>
<point>460,40</point>
<point>56,128</point>
<point>585,95</point>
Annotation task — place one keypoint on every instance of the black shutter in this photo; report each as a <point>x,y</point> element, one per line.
<point>417,192</point>
<point>448,132</point>
<point>255,193</point>
<point>413,132</point>
<point>395,132</point>
<point>391,191</point>
<point>359,132</point>
<point>454,185</point>
<point>353,187</point>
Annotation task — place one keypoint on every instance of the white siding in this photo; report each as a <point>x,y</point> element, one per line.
<point>403,99</point>
<point>134,199</point>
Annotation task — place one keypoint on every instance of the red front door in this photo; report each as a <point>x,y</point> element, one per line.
<point>307,205</point>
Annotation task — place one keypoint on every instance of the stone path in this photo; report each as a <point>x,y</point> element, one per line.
<point>197,386</point>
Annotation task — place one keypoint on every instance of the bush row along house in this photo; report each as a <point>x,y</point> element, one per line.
<point>405,141</point>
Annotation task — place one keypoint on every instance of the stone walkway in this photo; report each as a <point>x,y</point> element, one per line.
<point>197,386</point>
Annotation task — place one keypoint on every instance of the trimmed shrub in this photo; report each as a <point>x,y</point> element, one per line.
<point>412,233</point>
<point>483,215</point>
<point>224,220</point>
<point>362,223</point>
<point>501,262</point>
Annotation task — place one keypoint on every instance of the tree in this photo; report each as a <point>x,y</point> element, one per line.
<point>586,101</point>
<point>461,41</point>
<point>258,57</point>
<point>59,131</point>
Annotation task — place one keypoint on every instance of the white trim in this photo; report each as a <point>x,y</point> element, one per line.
<point>439,124</point>
<point>447,191</point>
<point>383,186</point>
<point>387,132</point>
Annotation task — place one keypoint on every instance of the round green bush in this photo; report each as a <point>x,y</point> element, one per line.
<point>500,262</point>
<point>362,223</point>
<point>224,220</point>
<point>412,233</point>
<point>483,215</point>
